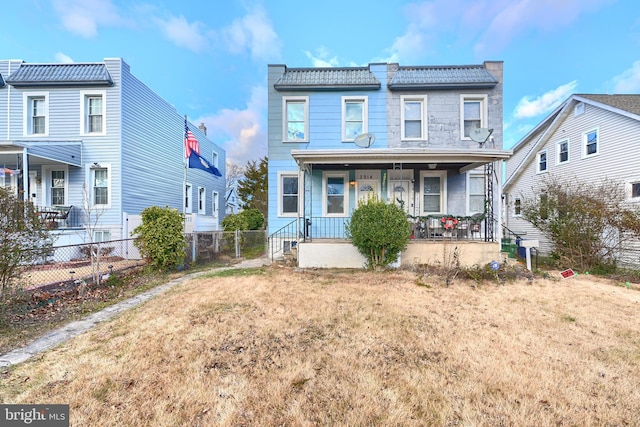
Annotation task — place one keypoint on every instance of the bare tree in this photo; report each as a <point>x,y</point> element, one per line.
<point>91,214</point>
<point>235,173</point>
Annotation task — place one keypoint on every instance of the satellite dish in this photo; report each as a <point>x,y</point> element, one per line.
<point>365,140</point>
<point>480,135</point>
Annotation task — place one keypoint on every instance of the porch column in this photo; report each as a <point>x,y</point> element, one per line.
<point>25,175</point>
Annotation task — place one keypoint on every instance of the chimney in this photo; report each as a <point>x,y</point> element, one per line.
<point>203,128</point>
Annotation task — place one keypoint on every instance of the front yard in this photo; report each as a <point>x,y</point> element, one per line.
<point>282,346</point>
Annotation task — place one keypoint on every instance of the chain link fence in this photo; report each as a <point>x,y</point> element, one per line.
<point>224,246</point>
<point>66,265</point>
<point>70,264</point>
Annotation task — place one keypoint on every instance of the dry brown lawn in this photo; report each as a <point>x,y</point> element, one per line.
<point>298,348</point>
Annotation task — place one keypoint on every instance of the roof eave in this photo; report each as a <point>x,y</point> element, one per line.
<point>60,83</point>
<point>279,87</point>
<point>442,86</point>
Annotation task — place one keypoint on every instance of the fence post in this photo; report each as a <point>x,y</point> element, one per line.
<point>237,239</point>
<point>194,245</point>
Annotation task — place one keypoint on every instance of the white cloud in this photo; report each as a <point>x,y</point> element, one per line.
<point>545,103</point>
<point>65,59</point>
<point>506,20</point>
<point>83,17</point>
<point>253,32</point>
<point>628,81</point>
<point>245,129</point>
<point>321,58</point>
<point>183,33</point>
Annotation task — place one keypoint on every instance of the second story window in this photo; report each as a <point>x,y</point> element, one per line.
<point>591,143</point>
<point>354,117</point>
<point>472,113</point>
<point>36,112</point>
<point>563,152</point>
<point>542,161</point>
<point>92,112</point>
<point>296,118</point>
<point>414,111</point>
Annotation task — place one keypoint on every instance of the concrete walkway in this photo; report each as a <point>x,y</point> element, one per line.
<point>73,329</point>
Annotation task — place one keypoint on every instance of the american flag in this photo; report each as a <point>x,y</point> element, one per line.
<point>190,141</point>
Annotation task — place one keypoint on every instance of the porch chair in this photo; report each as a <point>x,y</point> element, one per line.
<point>63,213</point>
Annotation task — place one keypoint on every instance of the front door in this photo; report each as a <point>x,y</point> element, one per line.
<point>401,193</point>
<point>367,188</point>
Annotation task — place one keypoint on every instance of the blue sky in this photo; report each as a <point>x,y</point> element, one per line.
<point>209,58</point>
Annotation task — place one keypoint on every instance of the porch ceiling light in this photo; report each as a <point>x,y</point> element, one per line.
<point>432,165</point>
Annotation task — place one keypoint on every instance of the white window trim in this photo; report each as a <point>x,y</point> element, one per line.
<point>84,119</point>
<point>443,191</point>
<point>215,204</point>
<point>26,113</point>
<point>517,215</point>
<point>188,198</point>
<point>423,123</point>
<point>325,177</point>
<point>584,143</point>
<point>285,132</point>
<point>46,176</point>
<point>484,193</point>
<point>214,158</point>
<point>282,174</point>
<point>538,170</point>
<point>202,202</point>
<point>484,110</point>
<point>558,162</point>
<point>365,114</point>
<point>90,178</point>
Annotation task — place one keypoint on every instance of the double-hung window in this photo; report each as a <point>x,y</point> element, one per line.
<point>433,188</point>
<point>201,200</point>
<point>335,193</point>
<point>58,186</point>
<point>36,113</point>
<point>100,186</point>
<point>517,207</point>
<point>476,193</point>
<point>354,117</point>
<point>92,111</point>
<point>288,198</point>
<point>413,118</point>
<point>542,161</point>
<point>563,151</point>
<point>590,139</point>
<point>188,207</point>
<point>473,114</point>
<point>214,203</point>
<point>295,126</point>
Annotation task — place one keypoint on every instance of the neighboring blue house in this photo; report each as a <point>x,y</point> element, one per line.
<point>406,134</point>
<point>94,137</point>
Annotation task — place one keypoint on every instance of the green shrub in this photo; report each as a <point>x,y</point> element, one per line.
<point>248,219</point>
<point>161,238</point>
<point>380,231</point>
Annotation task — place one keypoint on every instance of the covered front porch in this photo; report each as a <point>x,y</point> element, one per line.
<point>448,196</point>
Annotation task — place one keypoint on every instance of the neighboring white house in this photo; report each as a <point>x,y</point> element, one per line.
<point>587,138</point>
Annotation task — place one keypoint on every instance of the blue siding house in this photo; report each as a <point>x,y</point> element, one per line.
<point>425,137</point>
<point>94,137</point>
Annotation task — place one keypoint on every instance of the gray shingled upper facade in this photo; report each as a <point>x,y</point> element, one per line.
<point>630,103</point>
<point>60,75</point>
<point>327,78</point>
<point>442,77</point>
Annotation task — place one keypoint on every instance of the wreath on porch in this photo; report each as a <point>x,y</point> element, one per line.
<point>449,223</point>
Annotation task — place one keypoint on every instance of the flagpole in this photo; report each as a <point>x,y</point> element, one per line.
<point>184,184</point>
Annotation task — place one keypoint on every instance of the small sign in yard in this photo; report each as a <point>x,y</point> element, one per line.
<point>567,273</point>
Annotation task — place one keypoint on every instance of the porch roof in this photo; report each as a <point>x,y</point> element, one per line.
<point>43,152</point>
<point>465,160</point>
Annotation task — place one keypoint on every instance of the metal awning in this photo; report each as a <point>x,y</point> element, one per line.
<point>43,152</point>
<point>465,160</point>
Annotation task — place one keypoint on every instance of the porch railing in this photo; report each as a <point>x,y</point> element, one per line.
<point>61,217</point>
